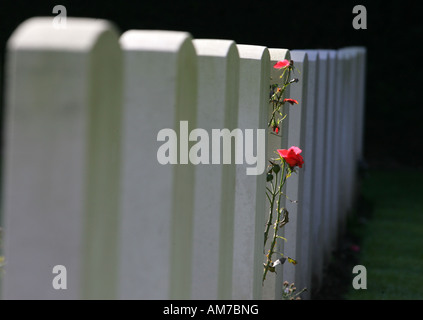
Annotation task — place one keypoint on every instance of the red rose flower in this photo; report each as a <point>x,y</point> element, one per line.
<point>291,101</point>
<point>281,64</point>
<point>292,156</point>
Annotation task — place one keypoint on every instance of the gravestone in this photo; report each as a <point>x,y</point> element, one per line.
<point>328,212</point>
<point>60,196</point>
<point>297,230</point>
<point>338,165</point>
<point>250,189</point>
<point>318,223</point>
<point>218,83</point>
<point>347,144</point>
<point>157,194</point>
<point>308,244</point>
<point>358,55</point>
<point>361,96</point>
<point>352,127</point>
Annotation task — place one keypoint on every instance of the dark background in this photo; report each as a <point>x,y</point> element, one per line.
<point>393,133</point>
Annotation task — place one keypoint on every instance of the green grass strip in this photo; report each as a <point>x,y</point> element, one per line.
<point>392,238</point>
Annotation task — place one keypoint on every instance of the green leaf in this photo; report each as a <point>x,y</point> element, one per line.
<point>282,238</point>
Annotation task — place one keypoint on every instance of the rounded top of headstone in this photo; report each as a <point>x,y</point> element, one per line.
<point>331,53</point>
<point>299,55</point>
<point>277,54</point>
<point>355,48</point>
<point>311,54</point>
<point>213,47</point>
<point>323,54</point>
<point>348,52</point>
<point>76,34</point>
<point>154,40</point>
<point>252,52</point>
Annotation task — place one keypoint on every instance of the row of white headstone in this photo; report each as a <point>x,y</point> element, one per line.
<point>83,188</point>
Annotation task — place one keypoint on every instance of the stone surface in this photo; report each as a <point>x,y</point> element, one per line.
<point>328,212</point>
<point>347,158</point>
<point>60,196</point>
<point>250,196</point>
<point>337,166</point>
<point>297,230</point>
<point>319,226</point>
<point>157,200</point>
<point>218,94</point>
<point>308,245</point>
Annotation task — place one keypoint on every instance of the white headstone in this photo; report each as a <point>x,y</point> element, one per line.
<point>358,55</point>
<point>329,150</point>
<point>361,81</point>
<point>297,230</point>
<point>157,199</point>
<point>352,123</point>
<point>308,244</point>
<point>218,83</point>
<point>250,189</point>
<point>318,223</point>
<point>60,190</point>
<point>338,165</point>
<point>347,136</point>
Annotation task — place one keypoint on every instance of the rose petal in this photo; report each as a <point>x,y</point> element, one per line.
<point>281,64</point>
<point>296,149</point>
<point>291,161</point>
<point>292,156</point>
<point>291,101</point>
<point>282,152</point>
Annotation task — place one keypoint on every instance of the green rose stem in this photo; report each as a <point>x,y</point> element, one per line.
<point>272,198</point>
<point>276,104</point>
<point>276,192</point>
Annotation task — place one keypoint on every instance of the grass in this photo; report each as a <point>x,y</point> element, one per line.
<point>392,238</point>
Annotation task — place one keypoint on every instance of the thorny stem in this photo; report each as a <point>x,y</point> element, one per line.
<point>276,190</point>
<point>272,203</point>
<point>278,104</point>
<point>277,225</point>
